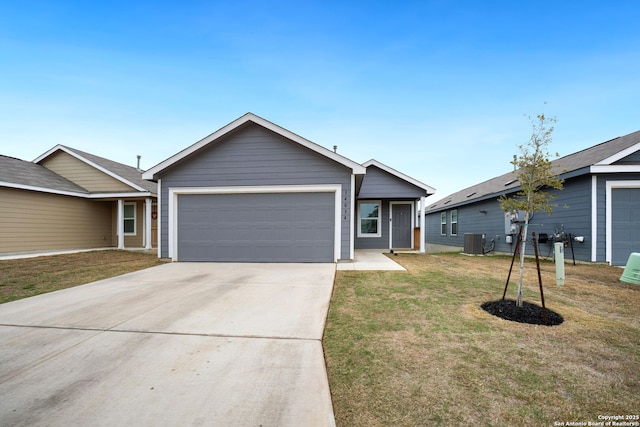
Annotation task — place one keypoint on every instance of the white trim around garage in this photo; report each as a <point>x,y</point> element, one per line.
<point>611,185</point>
<point>328,188</point>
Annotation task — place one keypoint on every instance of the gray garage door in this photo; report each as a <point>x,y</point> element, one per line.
<point>625,224</point>
<point>264,227</point>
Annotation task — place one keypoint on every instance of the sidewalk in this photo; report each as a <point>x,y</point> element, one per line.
<point>370,259</point>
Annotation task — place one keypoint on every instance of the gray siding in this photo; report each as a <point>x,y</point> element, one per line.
<point>378,184</point>
<point>576,219</point>
<point>381,185</point>
<point>602,208</point>
<point>381,242</point>
<point>632,159</point>
<point>255,156</point>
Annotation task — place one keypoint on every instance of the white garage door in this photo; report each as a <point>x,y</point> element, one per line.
<point>262,227</point>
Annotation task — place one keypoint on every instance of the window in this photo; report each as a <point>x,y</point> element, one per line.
<point>369,214</point>
<point>443,224</point>
<point>129,219</point>
<point>454,222</point>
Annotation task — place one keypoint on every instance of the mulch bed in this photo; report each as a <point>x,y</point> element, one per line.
<point>528,313</point>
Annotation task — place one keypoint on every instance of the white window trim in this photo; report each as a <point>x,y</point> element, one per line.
<point>374,235</point>
<point>135,218</point>
<point>456,223</point>
<point>443,222</point>
<point>172,211</point>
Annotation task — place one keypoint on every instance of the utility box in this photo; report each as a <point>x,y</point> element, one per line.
<point>631,272</point>
<point>473,243</point>
<point>511,220</point>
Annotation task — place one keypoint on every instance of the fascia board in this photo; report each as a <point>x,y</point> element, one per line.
<point>355,167</point>
<point>74,194</point>
<point>456,205</point>
<point>41,189</point>
<point>615,168</point>
<point>373,162</point>
<point>47,153</point>
<point>119,195</point>
<point>90,163</point>
<point>619,155</point>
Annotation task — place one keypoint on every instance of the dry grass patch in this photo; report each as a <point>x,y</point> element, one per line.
<point>415,348</point>
<point>22,278</point>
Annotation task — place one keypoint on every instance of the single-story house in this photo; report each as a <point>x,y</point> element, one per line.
<point>69,199</point>
<point>255,192</point>
<point>596,218</point>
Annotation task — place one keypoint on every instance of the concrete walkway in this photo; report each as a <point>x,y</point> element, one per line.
<point>370,259</point>
<point>178,344</point>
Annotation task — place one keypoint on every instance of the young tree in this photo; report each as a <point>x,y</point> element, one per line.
<point>535,174</point>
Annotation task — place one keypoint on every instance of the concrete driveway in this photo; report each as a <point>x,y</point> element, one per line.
<point>180,344</point>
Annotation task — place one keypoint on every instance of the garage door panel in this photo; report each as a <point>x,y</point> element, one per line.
<point>265,227</point>
<point>625,223</point>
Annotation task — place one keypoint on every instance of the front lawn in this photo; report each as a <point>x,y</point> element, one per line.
<point>415,348</point>
<point>22,278</point>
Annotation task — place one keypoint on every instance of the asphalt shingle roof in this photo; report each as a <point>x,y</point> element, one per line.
<point>507,182</point>
<point>21,172</point>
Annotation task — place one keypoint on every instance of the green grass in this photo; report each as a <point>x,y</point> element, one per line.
<point>415,348</point>
<point>22,278</point>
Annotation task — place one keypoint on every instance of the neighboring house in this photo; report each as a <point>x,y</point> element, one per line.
<point>69,199</point>
<point>255,192</point>
<point>602,197</point>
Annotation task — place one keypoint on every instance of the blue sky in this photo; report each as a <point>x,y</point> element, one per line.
<point>439,90</point>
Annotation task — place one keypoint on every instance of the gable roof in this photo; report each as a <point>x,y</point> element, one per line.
<point>429,190</point>
<point>250,117</point>
<point>599,158</point>
<point>16,173</point>
<point>123,173</point>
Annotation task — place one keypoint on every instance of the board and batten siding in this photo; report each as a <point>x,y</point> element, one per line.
<point>255,156</point>
<point>83,174</point>
<point>33,221</point>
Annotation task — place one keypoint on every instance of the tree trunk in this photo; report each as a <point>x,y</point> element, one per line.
<point>523,242</point>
